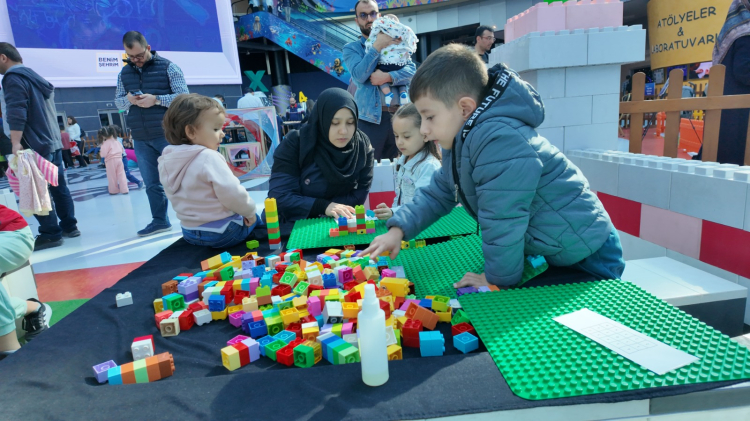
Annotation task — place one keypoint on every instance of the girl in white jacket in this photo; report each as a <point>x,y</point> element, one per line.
<point>213,208</point>
<point>419,159</point>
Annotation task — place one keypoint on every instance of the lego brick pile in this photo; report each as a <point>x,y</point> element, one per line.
<point>541,359</point>
<point>361,224</point>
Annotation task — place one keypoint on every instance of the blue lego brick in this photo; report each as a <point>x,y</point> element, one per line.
<point>320,320</point>
<point>536,261</point>
<point>113,375</point>
<point>331,343</point>
<point>431,344</point>
<point>425,303</point>
<point>262,342</point>
<point>258,329</point>
<point>216,303</point>
<point>210,284</point>
<point>329,280</point>
<point>258,271</point>
<point>465,342</point>
<point>179,278</point>
<point>286,336</point>
<point>267,314</point>
<point>266,280</point>
<point>225,257</point>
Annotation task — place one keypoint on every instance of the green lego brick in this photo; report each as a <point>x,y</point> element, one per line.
<point>275,325</point>
<point>292,268</point>
<point>227,274</point>
<point>174,302</point>
<point>337,353</point>
<point>460,317</point>
<point>518,329</point>
<point>272,214</point>
<point>347,356</point>
<point>301,288</point>
<point>274,236</point>
<point>252,244</point>
<point>288,278</point>
<point>140,370</point>
<point>314,233</point>
<point>274,346</point>
<point>285,305</point>
<point>435,268</point>
<point>304,356</point>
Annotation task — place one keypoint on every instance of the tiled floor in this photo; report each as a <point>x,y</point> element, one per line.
<point>108,247</point>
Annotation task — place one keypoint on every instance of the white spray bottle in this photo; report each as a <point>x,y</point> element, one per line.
<point>372,340</point>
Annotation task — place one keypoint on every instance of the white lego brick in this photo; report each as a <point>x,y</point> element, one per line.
<point>550,83</point>
<point>605,108</point>
<point>707,287</point>
<point>383,177</point>
<point>515,54</point>
<point>566,49</point>
<point>636,248</point>
<point>658,285</point>
<point>142,350</point>
<point>644,185</point>
<point>555,136</point>
<point>746,283</point>
<point>592,80</point>
<point>602,135</point>
<point>711,198</point>
<point>602,175</point>
<point>721,273</point>
<point>124,299</point>
<point>560,112</point>
<point>625,44</point>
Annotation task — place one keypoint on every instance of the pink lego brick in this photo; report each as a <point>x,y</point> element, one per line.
<point>405,306</point>
<point>235,319</point>
<point>510,32</point>
<point>254,282</point>
<point>388,273</point>
<point>548,17</point>
<point>347,328</point>
<point>313,306</point>
<point>675,231</point>
<point>237,339</point>
<point>586,14</point>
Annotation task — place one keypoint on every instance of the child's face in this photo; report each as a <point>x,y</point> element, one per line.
<point>408,139</point>
<point>342,128</point>
<point>440,122</point>
<point>207,131</point>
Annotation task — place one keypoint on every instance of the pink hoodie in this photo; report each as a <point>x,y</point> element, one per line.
<point>200,186</point>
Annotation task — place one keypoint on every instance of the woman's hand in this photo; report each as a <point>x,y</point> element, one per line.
<point>250,221</point>
<point>336,210</point>
<point>383,211</point>
<point>472,280</point>
<point>390,242</point>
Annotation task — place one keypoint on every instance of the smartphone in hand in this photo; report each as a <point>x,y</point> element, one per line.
<point>137,93</point>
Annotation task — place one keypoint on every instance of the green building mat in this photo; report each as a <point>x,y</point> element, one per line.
<point>435,268</point>
<point>314,233</point>
<point>542,359</point>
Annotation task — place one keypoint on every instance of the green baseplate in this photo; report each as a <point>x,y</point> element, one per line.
<point>435,268</point>
<point>541,359</point>
<point>314,233</point>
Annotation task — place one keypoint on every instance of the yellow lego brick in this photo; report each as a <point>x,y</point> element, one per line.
<point>361,232</point>
<point>289,316</point>
<point>220,285</point>
<point>288,297</point>
<point>389,321</point>
<point>230,357</point>
<point>371,273</point>
<point>303,313</point>
<point>327,271</point>
<point>236,286</point>
<point>299,303</point>
<point>236,264</point>
<point>360,288</point>
<point>317,349</point>
<point>332,252</point>
<point>332,292</point>
<point>301,275</point>
<point>394,352</point>
<point>249,304</point>
<point>234,309</point>
<point>219,315</point>
<point>351,310</point>
<point>271,220</point>
<point>444,316</point>
<point>400,322</point>
<point>158,305</point>
<point>347,254</point>
<point>310,333</point>
<point>397,286</point>
<point>270,205</point>
<point>213,262</point>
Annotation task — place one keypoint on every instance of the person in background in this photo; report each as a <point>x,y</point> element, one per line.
<point>67,158</point>
<point>74,131</point>
<point>146,86</point>
<point>6,148</point>
<point>131,178</point>
<point>221,100</point>
<point>16,246</point>
<point>625,86</point>
<point>484,39</point>
<point>111,152</point>
<point>32,118</point>
<point>374,112</point>
<point>249,100</point>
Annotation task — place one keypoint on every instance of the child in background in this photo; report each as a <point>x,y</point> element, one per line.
<point>396,56</point>
<point>526,195</point>
<point>111,152</point>
<point>213,208</point>
<point>419,159</point>
<point>131,178</point>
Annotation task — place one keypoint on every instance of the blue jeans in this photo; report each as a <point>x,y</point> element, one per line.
<point>607,262</point>
<point>62,205</point>
<point>148,152</point>
<point>131,178</point>
<point>233,235</point>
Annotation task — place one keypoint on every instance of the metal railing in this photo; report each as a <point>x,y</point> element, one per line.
<point>322,27</point>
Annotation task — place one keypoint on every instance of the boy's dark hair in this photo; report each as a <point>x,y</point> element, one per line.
<point>11,52</point>
<point>410,111</point>
<point>220,96</point>
<point>184,111</point>
<point>73,119</point>
<point>132,37</point>
<point>480,31</point>
<point>451,72</point>
<point>105,133</point>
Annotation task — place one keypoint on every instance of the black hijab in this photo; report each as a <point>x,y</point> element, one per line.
<point>340,166</point>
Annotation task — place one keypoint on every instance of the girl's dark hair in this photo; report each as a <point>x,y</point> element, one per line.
<point>73,119</point>
<point>105,133</point>
<point>410,111</point>
<point>118,130</point>
<point>185,111</point>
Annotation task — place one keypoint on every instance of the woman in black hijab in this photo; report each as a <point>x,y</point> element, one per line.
<point>325,168</point>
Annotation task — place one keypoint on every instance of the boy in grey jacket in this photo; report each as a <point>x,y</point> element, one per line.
<point>526,195</point>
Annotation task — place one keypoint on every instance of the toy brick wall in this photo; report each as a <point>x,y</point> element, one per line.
<point>383,184</point>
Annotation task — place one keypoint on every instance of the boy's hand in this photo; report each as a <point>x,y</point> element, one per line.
<point>383,211</point>
<point>250,221</point>
<point>335,210</point>
<point>472,280</point>
<point>390,242</point>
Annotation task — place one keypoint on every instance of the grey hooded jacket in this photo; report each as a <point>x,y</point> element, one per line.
<point>526,195</point>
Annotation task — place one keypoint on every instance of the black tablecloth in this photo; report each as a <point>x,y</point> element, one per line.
<point>51,377</point>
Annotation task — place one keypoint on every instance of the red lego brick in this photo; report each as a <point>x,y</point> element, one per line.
<point>244,353</point>
<point>726,247</point>
<point>146,338</point>
<point>463,327</point>
<point>296,328</point>
<point>411,329</point>
<point>326,266</point>
<point>186,320</point>
<point>410,342</point>
<point>280,267</point>
<point>386,307</point>
<point>308,319</point>
<point>211,279</point>
<point>197,306</point>
<point>381,197</point>
<point>349,285</point>
<point>625,214</point>
<point>239,295</point>
<point>277,277</point>
<point>359,275</point>
<point>162,316</point>
<point>352,297</point>
<point>281,290</point>
<point>187,275</point>
<point>312,288</point>
<point>285,356</point>
<point>297,341</point>
<point>398,302</point>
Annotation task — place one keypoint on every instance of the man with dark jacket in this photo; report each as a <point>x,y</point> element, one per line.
<point>32,118</point>
<point>145,88</point>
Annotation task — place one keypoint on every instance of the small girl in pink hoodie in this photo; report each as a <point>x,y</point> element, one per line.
<point>213,208</point>
<point>111,152</point>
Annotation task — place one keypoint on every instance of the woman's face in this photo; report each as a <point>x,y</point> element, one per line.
<point>70,122</point>
<point>342,128</point>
